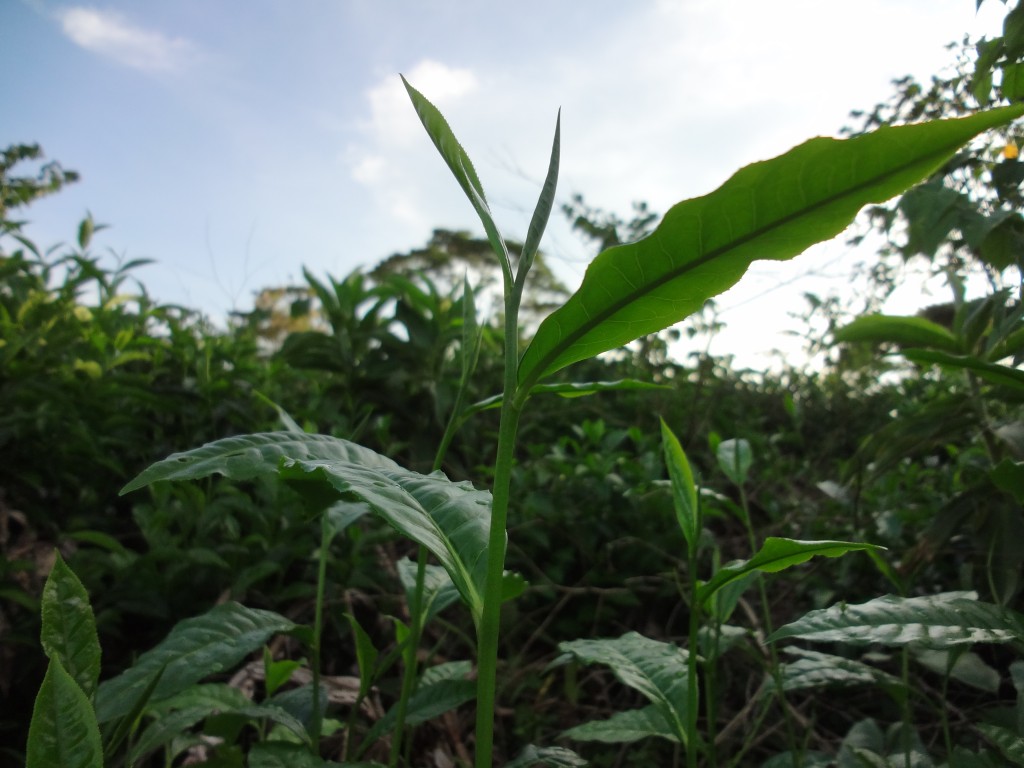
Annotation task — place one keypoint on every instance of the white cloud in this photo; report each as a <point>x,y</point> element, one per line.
<point>109,34</point>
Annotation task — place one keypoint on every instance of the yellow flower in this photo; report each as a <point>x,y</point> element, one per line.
<point>1010,151</point>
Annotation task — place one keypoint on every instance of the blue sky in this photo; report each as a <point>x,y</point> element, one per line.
<point>235,142</point>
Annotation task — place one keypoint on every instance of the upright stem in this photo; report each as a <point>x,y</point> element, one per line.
<point>693,687</point>
<point>318,623</point>
<point>489,627</point>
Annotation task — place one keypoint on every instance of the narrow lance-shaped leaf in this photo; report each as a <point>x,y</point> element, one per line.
<point>542,212</point>
<point>778,554</point>
<point>1002,375</point>
<point>462,168</point>
<point>69,627</point>
<point>769,210</point>
<point>909,331</point>
<point>684,491</point>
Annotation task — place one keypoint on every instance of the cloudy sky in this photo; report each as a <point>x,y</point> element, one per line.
<point>235,142</point>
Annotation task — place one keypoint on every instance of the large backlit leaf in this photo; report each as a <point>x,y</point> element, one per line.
<point>655,669</point>
<point>769,210</point>
<point>63,731</point>
<point>194,649</point>
<point>909,331</point>
<point>69,627</point>
<point>933,621</point>
<point>777,554</point>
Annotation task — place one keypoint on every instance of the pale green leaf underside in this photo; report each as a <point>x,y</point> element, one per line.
<point>655,669</point>
<point>823,670</point>
<point>777,554</point>
<point>935,621</point>
<point>769,210</point>
<point>196,648</point>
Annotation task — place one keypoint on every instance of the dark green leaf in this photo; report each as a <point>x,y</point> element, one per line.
<point>735,459</point>
<point>441,689</point>
<point>769,210</point>
<point>1002,375</point>
<point>778,554</point>
<point>933,621</point>
<point>624,727</point>
<point>542,212</point>
<point>63,731</point>
<point>553,757</point>
<point>655,669</point>
<point>1009,744</point>
<point>69,627</point>
<point>684,490</point>
<point>194,649</point>
<point>1009,476</point>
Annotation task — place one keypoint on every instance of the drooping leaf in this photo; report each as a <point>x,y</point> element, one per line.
<point>655,669</point>
<point>1009,744</point>
<point>769,210</point>
<point>735,458</point>
<point>450,519</point>
<point>932,621</point>
<point>194,649</point>
<point>63,731</point>
<point>813,669</point>
<point>778,554</point>
<point>69,627</point>
<point>624,727</point>
<point>552,757</point>
<point>684,490</point>
<point>1003,375</point>
<point>249,456</point>
<point>909,331</point>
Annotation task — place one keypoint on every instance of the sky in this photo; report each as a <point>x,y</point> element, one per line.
<point>235,143</point>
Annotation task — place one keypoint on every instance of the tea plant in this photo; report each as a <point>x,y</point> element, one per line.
<point>769,210</point>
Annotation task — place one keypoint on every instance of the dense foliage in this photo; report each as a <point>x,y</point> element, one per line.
<point>648,522</point>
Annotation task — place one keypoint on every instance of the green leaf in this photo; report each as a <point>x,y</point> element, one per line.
<point>542,212</point>
<point>822,670</point>
<point>655,669</point>
<point>69,627</point>
<point>553,757</point>
<point>933,621</point>
<point>1002,375</point>
<point>909,331</point>
<point>441,689</point>
<point>769,210</point>
<point>1009,744</point>
<point>271,754</point>
<point>624,727</point>
<point>735,459</point>
<point>63,731</point>
<point>438,590</point>
<point>462,168</point>
<point>174,716</point>
<point>778,554</point>
<point>194,649</point>
<point>967,667</point>
<point>571,390</point>
<point>366,655</point>
<point>249,456</point>
<point>684,490</point>
<point>277,673</point>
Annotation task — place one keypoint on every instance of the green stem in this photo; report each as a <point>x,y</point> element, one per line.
<point>488,630</point>
<point>316,719</point>
<point>693,687</point>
